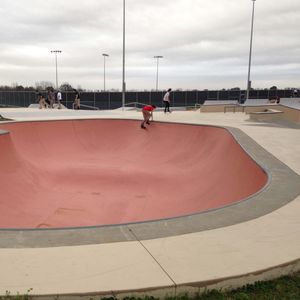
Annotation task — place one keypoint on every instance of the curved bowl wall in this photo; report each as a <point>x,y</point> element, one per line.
<point>57,174</point>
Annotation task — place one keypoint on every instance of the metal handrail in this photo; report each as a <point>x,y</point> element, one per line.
<point>135,104</point>
<point>88,106</point>
<point>8,106</point>
<point>228,106</point>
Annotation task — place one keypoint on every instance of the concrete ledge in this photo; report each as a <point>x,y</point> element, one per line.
<point>191,289</point>
<point>230,283</point>
<point>229,107</point>
<point>213,108</point>
<point>267,115</point>
<point>290,113</point>
<point>261,108</point>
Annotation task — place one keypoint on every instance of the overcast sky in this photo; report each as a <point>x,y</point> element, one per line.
<point>205,44</point>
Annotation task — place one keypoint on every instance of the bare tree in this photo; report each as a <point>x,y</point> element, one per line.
<point>43,85</point>
<point>66,87</point>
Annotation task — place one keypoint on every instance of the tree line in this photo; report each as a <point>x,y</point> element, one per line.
<point>39,86</point>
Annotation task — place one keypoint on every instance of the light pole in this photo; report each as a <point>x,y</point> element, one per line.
<point>157,60</point>
<point>123,73</point>
<point>55,52</point>
<point>104,57</point>
<point>250,52</point>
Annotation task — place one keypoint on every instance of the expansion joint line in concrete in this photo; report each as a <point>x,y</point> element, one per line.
<point>161,267</point>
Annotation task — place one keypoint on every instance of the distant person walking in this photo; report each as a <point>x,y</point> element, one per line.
<point>42,101</point>
<point>275,100</point>
<point>76,103</point>
<point>147,114</point>
<point>51,97</point>
<point>59,98</point>
<point>167,100</point>
<point>47,99</point>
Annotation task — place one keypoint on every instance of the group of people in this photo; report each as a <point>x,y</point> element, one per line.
<point>275,100</point>
<point>50,100</point>
<point>56,98</point>
<point>53,98</point>
<point>148,109</point>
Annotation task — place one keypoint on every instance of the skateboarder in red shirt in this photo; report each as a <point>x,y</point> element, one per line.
<point>147,114</point>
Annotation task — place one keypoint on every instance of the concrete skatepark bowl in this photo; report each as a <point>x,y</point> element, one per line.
<point>78,173</point>
<point>98,206</point>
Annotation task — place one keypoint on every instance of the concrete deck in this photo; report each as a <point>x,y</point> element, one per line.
<point>263,247</point>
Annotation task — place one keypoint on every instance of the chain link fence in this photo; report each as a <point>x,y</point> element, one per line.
<point>113,100</point>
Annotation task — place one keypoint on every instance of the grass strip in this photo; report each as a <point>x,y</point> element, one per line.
<point>283,288</point>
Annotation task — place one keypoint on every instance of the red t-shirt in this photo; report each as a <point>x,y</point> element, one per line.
<point>148,107</point>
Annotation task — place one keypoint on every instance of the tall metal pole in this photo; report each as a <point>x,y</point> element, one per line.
<point>157,59</point>
<point>104,57</point>
<point>250,53</point>
<point>123,75</point>
<point>56,70</point>
<point>56,73</point>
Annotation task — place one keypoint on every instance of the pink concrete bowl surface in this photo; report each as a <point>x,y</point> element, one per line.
<point>57,174</point>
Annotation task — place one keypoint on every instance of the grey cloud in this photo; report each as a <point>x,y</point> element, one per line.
<point>200,40</point>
